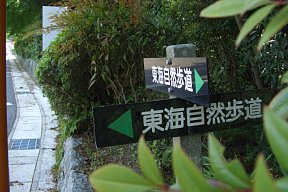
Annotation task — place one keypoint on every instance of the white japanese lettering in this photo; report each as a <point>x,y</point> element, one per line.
<point>154,74</point>
<point>166,76</point>
<point>188,79</point>
<point>175,118</point>
<point>216,114</point>
<point>180,80</point>
<point>253,111</point>
<point>234,110</point>
<point>160,75</point>
<point>195,115</point>
<point>173,78</point>
<point>152,120</point>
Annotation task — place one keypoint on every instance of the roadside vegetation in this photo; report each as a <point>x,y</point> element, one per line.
<point>98,60</point>
<point>224,175</point>
<point>24,27</point>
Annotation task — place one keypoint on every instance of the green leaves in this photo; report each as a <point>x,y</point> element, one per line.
<point>187,173</point>
<point>277,134</point>
<point>148,164</point>
<point>29,11</point>
<point>231,173</point>
<point>280,103</point>
<point>279,21</point>
<point>263,181</point>
<point>118,179</point>
<point>228,176</point>
<point>282,184</point>
<point>285,78</point>
<point>224,8</point>
<point>253,20</point>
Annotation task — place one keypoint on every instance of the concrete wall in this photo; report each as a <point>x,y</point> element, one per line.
<point>29,65</point>
<point>70,177</point>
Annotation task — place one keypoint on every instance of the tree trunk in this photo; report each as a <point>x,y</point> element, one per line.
<point>256,74</point>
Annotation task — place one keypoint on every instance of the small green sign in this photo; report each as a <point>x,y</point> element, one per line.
<point>185,78</point>
<point>123,124</point>
<point>198,80</point>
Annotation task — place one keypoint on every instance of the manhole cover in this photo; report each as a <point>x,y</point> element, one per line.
<point>25,144</point>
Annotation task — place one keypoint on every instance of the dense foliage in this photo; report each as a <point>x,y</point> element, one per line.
<point>214,40</point>
<point>21,14</point>
<point>29,44</point>
<point>24,26</point>
<point>224,175</point>
<point>98,57</point>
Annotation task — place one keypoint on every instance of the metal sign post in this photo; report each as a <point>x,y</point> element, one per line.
<point>191,144</point>
<point>4,181</point>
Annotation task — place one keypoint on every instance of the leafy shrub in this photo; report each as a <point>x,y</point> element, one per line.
<point>97,60</point>
<point>241,68</point>
<point>24,26</point>
<point>228,176</point>
<point>29,44</point>
<point>98,57</point>
<point>214,39</point>
<point>21,15</point>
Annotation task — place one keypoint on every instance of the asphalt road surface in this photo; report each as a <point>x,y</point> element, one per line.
<point>11,103</point>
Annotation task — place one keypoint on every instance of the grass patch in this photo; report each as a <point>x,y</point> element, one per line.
<point>126,155</point>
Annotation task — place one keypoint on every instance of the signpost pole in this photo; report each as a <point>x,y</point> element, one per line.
<point>4,181</point>
<point>191,144</point>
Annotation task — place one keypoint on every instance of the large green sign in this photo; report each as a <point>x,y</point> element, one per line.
<point>121,124</point>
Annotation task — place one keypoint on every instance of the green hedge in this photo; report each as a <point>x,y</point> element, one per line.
<point>29,44</point>
<point>98,57</point>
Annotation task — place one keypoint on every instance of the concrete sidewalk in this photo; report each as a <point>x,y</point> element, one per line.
<point>32,139</point>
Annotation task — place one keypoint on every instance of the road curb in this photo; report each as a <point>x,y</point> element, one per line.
<point>17,112</point>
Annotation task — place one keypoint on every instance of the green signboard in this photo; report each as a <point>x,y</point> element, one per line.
<point>122,124</point>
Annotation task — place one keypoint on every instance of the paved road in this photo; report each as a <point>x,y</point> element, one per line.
<point>11,103</point>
